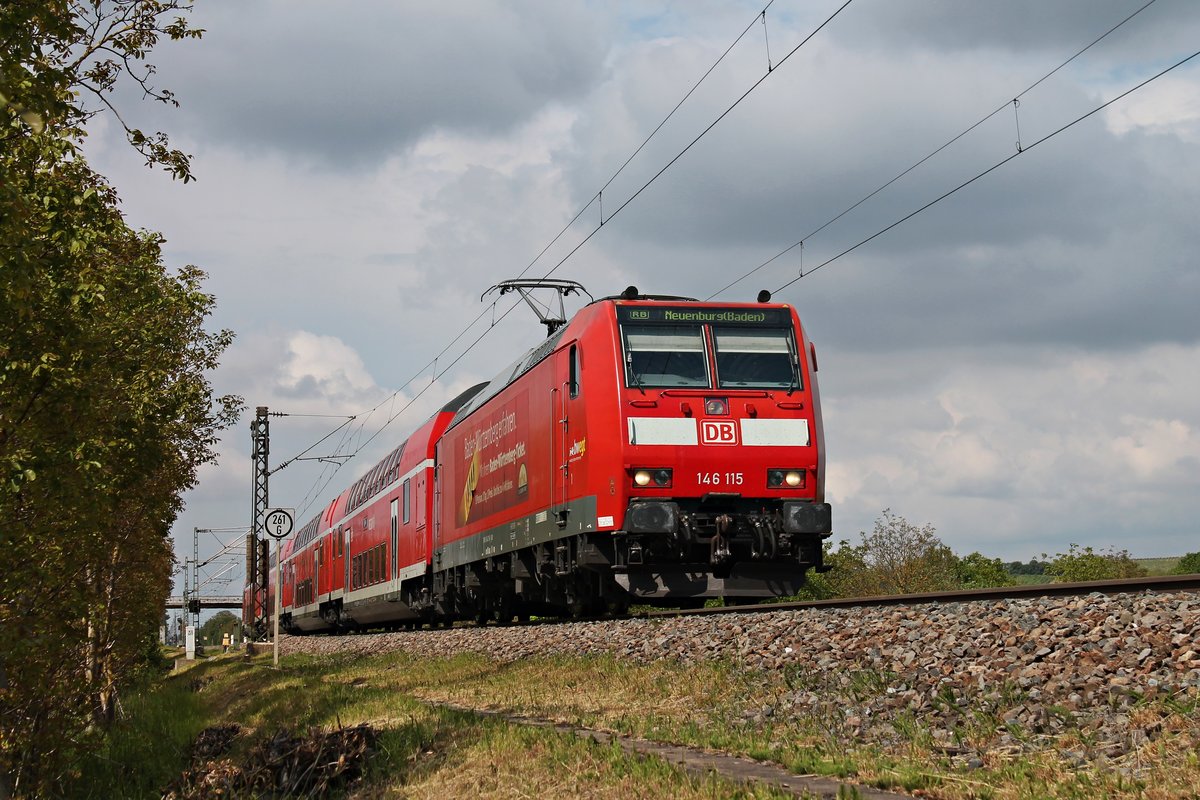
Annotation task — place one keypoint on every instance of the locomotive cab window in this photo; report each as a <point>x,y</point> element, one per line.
<point>755,358</point>
<point>665,356</point>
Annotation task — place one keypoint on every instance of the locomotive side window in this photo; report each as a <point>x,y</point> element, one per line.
<point>758,358</point>
<point>573,378</point>
<point>665,355</point>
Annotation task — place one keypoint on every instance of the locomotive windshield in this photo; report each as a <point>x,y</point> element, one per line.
<point>755,358</point>
<point>665,355</point>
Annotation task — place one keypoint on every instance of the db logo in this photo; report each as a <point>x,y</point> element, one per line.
<point>718,432</point>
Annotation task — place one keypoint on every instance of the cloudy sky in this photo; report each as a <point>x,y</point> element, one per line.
<point>1016,365</point>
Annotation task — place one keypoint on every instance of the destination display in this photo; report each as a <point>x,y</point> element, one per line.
<point>684,315</point>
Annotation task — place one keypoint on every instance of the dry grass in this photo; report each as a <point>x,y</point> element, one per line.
<point>427,750</point>
<point>423,750</point>
<point>721,707</point>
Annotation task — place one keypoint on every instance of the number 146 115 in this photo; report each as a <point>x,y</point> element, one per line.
<point>720,478</point>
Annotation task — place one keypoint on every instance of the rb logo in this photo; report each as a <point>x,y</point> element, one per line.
<point>718,432</point>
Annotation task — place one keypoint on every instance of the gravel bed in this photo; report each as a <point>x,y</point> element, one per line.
<point>979,678</point>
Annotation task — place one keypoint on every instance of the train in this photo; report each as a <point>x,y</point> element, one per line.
<point>652,450</point>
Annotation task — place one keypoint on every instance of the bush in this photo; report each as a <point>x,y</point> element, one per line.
<point>1188,565</point>
<point>1034,567</point>
<point>977,571</point>
<point>896,558</point>
<point>1085,564</point>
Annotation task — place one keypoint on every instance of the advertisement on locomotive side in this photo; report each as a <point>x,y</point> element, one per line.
<point>493,461</point>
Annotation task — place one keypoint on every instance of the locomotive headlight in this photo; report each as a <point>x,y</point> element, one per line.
<point>652,477</point>
<point>789,478</point>
<point>716,407</point>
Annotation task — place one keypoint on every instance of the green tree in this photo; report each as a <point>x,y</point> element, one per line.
<point>1086,564</point>
<point>217,626</point>
<point>1188,565</point>
<point>105,411</point>
<point>977,571</point>
<point>60,61</point>
<point>1034,567</point>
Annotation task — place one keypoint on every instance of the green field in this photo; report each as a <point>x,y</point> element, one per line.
<point>1159,566</point>
<point>1154,567</point>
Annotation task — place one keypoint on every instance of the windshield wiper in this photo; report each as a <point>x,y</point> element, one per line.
<point>637,378</point>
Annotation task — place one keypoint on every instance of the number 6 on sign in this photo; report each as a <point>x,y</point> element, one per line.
<point>279,522</point>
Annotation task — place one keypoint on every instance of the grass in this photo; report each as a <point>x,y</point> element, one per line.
<point>806,720</point>
<point>1032,580</point>
<point>423,750</point>
<point>1159,566</point>
<point>142,752</point>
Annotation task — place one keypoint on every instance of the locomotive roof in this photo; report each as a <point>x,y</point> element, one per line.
<point>509,374</point>
<point>363,488</point>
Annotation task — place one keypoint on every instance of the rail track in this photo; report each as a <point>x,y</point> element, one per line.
<point>1167,583</point>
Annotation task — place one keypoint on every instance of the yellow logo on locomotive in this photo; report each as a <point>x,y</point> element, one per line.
<point>468,498</point>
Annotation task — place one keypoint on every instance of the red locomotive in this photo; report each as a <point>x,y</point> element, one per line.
<point>651,450</point>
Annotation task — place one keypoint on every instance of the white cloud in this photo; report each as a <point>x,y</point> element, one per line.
<point>1169,107</point>
<point>1061,442</point>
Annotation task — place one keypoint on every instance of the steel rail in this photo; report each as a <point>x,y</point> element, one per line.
<point>1166,583</point>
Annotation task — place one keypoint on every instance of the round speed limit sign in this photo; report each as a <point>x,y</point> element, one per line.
<point>279,522</point>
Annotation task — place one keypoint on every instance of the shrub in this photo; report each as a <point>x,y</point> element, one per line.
<point>897,557</point>
<point>1187,565</point>
<point>1034,567</point>
<point>1085,564</point>
<point>977,571</point>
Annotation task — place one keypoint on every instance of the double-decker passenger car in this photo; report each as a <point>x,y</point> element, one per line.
<point>651,450</point>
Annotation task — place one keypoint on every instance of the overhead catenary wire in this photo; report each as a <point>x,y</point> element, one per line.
<point>1015,101</point>
<point>310,448</point>
<point>620,208</point>
<point>991,169</point>
<point>360,447</point>
<point>630,199</point>
<point>597,198</point>
<point>366,415</point>
<point>689,146</point>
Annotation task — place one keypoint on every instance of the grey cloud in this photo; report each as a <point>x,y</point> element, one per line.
<point>1041,251</point>
<point>1083,246</point>
<point>355,86</point>
<point>1013,25</point>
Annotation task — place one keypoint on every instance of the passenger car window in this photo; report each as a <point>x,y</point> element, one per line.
<point>665,356</point>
